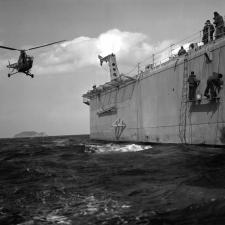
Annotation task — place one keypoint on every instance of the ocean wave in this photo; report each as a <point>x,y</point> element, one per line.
<point>102,207</point>
<point>58,180</point>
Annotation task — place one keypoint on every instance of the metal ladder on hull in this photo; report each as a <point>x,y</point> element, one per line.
<point>183,106</point>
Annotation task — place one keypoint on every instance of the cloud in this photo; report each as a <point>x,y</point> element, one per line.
<point>3,64</point>
<point>129,47</point>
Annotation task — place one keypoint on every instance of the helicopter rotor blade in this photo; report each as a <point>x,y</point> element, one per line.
<point>41,46</point>
<point>9,48</point>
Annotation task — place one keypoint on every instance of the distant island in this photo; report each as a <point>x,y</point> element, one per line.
<point>30,134</point>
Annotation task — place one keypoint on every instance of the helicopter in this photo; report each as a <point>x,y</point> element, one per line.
<point>25,62</point>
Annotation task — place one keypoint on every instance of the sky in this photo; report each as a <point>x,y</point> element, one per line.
<point>51,102</point>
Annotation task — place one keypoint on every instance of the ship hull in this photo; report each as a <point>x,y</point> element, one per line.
<point>153,109</point>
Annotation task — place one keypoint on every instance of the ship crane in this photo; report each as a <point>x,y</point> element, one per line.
<point>114,72</point>
<point>111,60</point>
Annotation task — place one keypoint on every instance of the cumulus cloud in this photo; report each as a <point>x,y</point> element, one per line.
<point>129,47</point>
<point>3,64</point>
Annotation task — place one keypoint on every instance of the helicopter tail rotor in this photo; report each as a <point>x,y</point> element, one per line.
<point>9,64</point>
<point>12,66</point>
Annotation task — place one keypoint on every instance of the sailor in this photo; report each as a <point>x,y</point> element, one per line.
<point>208,31</point>
<point>182,51</point>
<point>211,29</point>
<point>191,46</point>
<point>205,34</point>
<point>193,84</point>
<point>214,85</point>
<point>219,24</point>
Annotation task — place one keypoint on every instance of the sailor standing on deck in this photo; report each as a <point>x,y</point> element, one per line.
<point>219,24</point>
<point>208,31</point>
<point>182,51</point>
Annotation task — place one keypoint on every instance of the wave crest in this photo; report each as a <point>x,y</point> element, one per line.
<point>115,148</point>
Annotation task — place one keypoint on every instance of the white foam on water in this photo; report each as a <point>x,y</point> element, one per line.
<point>101,207</point>
<point>92,205</point>
<point>61,142</point>
<point>116,148</point>
<point>54,218</point>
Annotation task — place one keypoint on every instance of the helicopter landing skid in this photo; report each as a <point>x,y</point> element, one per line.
<point>10,74</point>
<point>28,74</point>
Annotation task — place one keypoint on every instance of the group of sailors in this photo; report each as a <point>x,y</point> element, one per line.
<point>208,31</point>
<point>182,51</point>
<point>213,87</point>
<point>214,82</point>
<point>209,28</point>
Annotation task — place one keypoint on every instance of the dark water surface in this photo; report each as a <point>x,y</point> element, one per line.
<point>65,180</point>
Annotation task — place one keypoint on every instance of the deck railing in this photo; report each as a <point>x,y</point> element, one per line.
<point>165,55</point>
<point>154,62</point>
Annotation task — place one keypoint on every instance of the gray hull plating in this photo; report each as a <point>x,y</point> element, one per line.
<point>149,109</point>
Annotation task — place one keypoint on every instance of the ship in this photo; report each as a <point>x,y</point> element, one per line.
<point>153,105</point>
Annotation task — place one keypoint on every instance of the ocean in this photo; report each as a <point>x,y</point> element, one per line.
<point>70,180</point>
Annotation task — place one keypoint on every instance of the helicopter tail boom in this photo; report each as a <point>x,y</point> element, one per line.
<point>12,66</point>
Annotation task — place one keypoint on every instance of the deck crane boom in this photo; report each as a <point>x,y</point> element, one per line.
<point>111,59</point>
